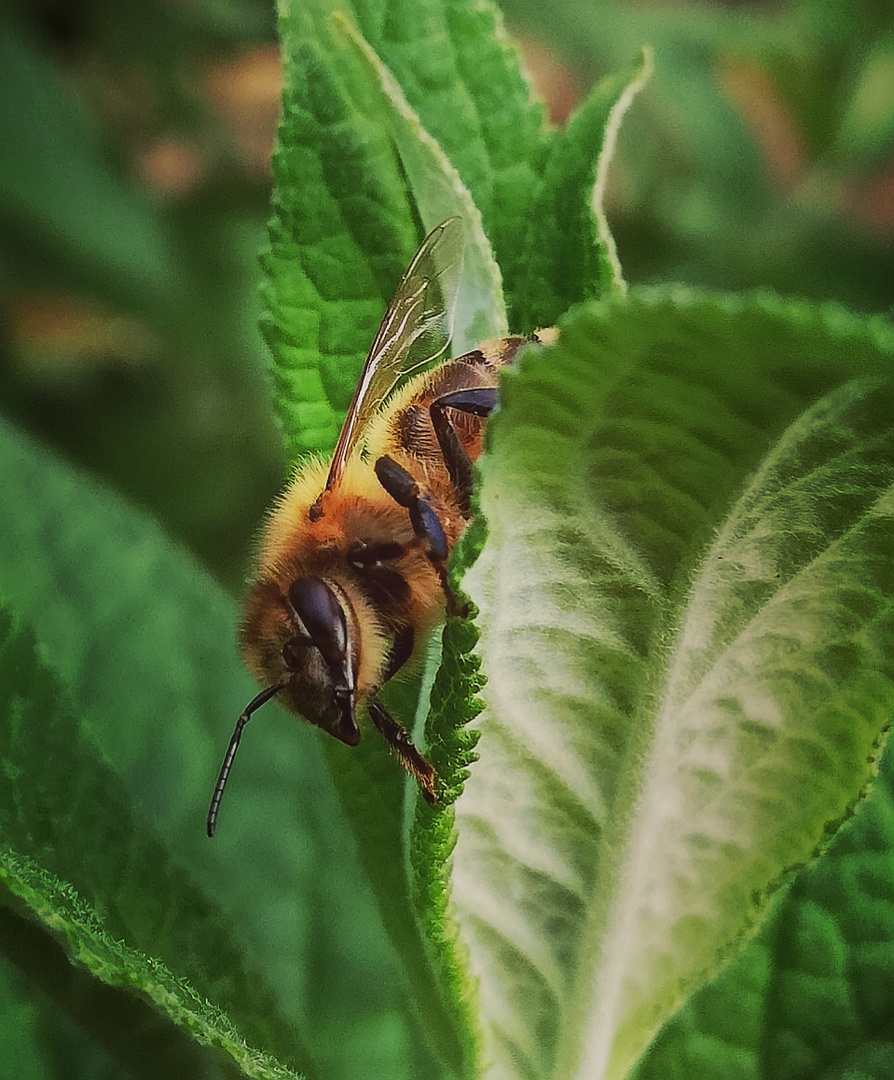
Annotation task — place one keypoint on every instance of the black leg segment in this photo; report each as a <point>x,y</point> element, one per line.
<point>401,651</point>
<point>479,401</point>
<point>401,486</point>
<point>398,739</point>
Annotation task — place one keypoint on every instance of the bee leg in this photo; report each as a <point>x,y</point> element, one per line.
<point>401,651</point>
<point>398,739</point>
<point>479,401</point>
<point>401,486</point>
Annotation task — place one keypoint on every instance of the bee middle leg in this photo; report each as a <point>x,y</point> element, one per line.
<point>479,401</point>
<point>401,486</point>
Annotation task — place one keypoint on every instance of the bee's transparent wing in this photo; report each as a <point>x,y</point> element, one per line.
<point>415,331</point>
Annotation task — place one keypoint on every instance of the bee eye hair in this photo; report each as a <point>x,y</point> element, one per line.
<point>322,616</point>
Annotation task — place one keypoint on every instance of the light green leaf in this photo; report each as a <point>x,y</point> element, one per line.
<point>353,161</point>
<point>570,255</point>
<point>438,193</point>
<point>461,73</point>
<point>811,994</point>
<point>685,601</point>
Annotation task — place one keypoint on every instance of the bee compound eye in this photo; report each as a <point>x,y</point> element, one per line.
<point>322,616</point>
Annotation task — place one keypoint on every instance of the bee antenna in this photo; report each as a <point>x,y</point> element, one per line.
<point>251,707</point>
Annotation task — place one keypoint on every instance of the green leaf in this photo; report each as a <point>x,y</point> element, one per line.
<point>462,75</point>
<point>39,1042</point>
<point>341,235</point>
<point>811,995</point>
<point>124,1019</point>
<point>71,847</point>
<point>451,743</point>
<point>685,608</point>
<point>569,252</point>
<point>144,643</point>
<point>356,163</point>
<point>438,193</point>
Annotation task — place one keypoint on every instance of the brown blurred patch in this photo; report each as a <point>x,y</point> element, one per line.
<point>172,167</point>
<point>244,92</point>
<point>51,332</point>
<point>553,82</point>
<point>773,125</point>
<point>864,201</point>
<point>870,201</point>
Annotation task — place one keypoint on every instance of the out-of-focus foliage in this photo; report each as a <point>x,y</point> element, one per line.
<point>134,185</point>
<point>763,153</point>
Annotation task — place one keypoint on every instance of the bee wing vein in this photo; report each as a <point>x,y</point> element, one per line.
<point>422,307</point>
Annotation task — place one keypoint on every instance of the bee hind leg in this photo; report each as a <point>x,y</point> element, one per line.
<point>398,739</point>
<point>479,401</point>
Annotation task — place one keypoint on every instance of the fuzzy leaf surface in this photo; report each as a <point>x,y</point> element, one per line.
<point>811,994</point>
<point>685,608</point>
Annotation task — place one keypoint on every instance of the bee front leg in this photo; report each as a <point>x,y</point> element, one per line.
<point>398,739</point>
<point>479,401</point>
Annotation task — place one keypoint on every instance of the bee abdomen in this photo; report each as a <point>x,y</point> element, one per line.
<point>414,431</point>
<point>494,354</point>
<point>498,352</point>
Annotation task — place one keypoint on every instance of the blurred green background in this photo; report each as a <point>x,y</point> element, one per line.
<point>134,183</point>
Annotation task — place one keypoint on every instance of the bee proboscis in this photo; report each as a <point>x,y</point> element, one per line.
<point>351,567</point>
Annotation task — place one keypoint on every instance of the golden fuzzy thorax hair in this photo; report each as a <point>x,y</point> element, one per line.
<point>295,545</point>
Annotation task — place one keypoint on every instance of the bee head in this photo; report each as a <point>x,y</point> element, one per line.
<point>302,646</point>
<point>319,681</point>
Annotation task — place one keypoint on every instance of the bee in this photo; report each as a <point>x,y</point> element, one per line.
<point>351,570</point>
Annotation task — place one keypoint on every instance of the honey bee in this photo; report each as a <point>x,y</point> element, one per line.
<point>351,569</point>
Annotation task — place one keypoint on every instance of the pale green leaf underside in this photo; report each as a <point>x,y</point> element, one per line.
<point>685,604</point>
<point>811,995</point>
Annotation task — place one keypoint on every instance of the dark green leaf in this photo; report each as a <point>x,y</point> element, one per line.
<point>59,193</point>
<point>77,857</point>
<point>144,643</point>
